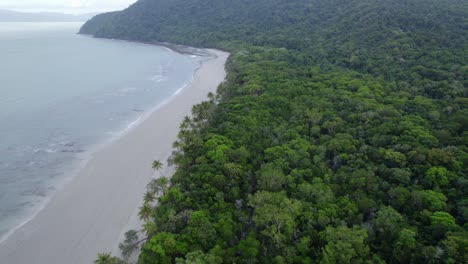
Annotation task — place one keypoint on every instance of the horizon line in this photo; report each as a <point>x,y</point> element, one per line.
<point>69,11</point>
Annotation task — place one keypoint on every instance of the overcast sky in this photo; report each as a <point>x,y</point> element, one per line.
<point>71,6</point>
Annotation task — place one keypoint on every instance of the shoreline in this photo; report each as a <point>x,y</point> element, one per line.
<point>90,214</point>
<point>178,48</point>
<point>80,162</point>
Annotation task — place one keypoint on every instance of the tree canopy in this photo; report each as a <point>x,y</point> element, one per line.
<point>339,135</point>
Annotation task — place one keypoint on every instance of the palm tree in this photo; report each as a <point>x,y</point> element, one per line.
<point>149,228</point>
<point>211,96</point>
<point>107,258</point>
<point>185,123</point>
<point>103,258</point>
<point>149,197</point>
<point>158,186</point>
<point>156,165</point>
<point>145,212</point>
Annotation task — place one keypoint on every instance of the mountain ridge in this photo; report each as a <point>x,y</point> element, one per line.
<point>15,16</point>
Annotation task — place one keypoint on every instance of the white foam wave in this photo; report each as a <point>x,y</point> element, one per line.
<point>158,78</point>
<point>127,90</point>
<point>36,211</point>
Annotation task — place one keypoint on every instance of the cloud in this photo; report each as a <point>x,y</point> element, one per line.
<point>77,4</point>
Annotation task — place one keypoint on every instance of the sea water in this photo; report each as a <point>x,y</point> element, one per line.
<point>62,94</point>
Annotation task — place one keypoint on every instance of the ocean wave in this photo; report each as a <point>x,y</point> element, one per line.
<point>37,191</point>
<point>158,78</point>
<point>52,148</point>
<point>34,209</point>
<point>45,150</point>
<point>127,90</point>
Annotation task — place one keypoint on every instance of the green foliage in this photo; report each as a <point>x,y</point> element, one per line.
<point>162,248</point>
<point>345,245</point>
<point>270,178</point>
<point>339,135</point>
<point>431,200</point>
<point>456,245</point>
<point>198,257</point>
<point>248,249</point>
<point>405,246</point>
<point>275,216</point>
<point>130,243</point>
<point>156,165</point>
<point>437,176</point>
<point>443,219</point>
<point>106,258</point>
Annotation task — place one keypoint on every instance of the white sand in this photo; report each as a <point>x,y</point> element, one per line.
<point>90,214</point>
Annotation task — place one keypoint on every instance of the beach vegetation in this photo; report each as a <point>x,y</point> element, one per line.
<point>107,258</point>
<point>157,165</point>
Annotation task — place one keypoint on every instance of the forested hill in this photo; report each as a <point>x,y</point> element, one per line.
<point>339,135</point>
<point>397,33</point>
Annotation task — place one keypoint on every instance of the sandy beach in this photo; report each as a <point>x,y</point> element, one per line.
<point>90,214</point>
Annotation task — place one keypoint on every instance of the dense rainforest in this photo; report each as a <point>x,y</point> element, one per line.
<point>339,135</point>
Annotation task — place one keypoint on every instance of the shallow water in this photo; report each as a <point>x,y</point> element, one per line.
<point>61,94</point>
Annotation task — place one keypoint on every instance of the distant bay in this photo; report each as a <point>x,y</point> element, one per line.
<point>61,96</point>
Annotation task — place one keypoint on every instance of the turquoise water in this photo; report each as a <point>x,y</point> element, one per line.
<point>61,94</point>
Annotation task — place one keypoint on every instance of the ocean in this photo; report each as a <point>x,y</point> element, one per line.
<point>64,95</point>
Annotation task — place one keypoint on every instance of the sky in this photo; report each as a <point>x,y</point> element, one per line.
<point>68,6</point>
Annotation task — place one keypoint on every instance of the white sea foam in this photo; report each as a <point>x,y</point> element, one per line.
<point>158,78</point>
<point>41,202</point>
<point>146,114</point>
<point>127,90</point>
<point>31,214</point>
